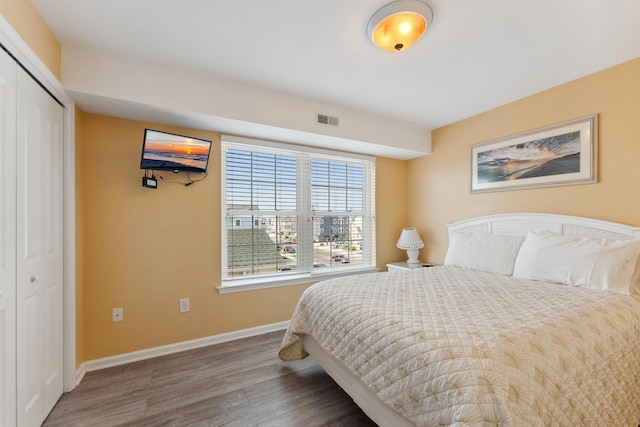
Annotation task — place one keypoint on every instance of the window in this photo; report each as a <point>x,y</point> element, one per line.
<point>277,200</point>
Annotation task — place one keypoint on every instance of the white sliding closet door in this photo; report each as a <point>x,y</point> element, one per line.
<point>7,241</point>
<point>39,252</point>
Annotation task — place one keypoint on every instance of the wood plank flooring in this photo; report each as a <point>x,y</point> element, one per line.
<point>239,383</point>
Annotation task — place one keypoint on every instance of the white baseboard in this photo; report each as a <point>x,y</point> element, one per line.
<point>121,359</point>
<point>80,373</point>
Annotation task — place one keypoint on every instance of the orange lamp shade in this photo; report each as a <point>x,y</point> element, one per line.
<point>398,25</point>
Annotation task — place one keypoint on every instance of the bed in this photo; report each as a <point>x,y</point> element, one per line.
<point>533,320</point>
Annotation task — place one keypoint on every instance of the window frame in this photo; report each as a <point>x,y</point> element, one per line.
<point>305,215</point>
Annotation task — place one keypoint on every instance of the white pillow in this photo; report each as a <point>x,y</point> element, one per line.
<point>556,258</point>
<point>616,266</point>
<point>578,261</point>
<point>493,253</point>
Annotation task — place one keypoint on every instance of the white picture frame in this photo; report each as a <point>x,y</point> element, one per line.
<point>561,154</point>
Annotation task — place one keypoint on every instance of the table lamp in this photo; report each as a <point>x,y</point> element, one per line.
<point>411,241</point>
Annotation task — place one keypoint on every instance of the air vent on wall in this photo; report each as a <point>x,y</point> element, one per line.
<point>323,119</point>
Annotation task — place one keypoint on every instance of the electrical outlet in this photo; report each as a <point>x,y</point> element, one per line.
<point>117,315</point>
<point>184,305</point>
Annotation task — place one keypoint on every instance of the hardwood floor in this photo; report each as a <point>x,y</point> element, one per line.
<point>239,383</point>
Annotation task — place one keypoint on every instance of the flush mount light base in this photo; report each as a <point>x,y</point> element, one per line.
<point>398,25</point>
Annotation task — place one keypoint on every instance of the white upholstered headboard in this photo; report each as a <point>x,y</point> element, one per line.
<point>521,223</point>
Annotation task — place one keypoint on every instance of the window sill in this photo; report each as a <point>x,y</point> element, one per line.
<point>292,279</point>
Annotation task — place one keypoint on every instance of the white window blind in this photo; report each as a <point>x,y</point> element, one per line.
<point>290,210</point>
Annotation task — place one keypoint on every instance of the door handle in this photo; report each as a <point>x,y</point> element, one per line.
<point>34,279</point>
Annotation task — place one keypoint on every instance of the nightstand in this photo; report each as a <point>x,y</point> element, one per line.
<point>398,266</point>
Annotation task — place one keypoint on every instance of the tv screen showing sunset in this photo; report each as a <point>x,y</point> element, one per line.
<point>166,151</point>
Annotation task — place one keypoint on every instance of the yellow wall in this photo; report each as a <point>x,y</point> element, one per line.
<point>144,249</point>
<point>26,20</point>
<point>439,183</point>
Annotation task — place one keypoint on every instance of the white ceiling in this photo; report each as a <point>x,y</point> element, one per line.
<point>476,55</point>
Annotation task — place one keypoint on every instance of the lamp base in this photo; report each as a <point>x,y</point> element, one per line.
<point>413,256</point>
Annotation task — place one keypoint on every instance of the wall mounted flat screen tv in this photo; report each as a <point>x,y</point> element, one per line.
<point>162,151</point>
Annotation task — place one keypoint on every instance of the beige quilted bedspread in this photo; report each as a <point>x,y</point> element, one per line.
<point>448,346</point>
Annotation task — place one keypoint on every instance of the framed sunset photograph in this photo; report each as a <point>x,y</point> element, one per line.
<point>562,154</point>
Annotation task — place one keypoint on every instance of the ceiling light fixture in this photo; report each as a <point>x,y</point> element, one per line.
<point>398,25</point>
